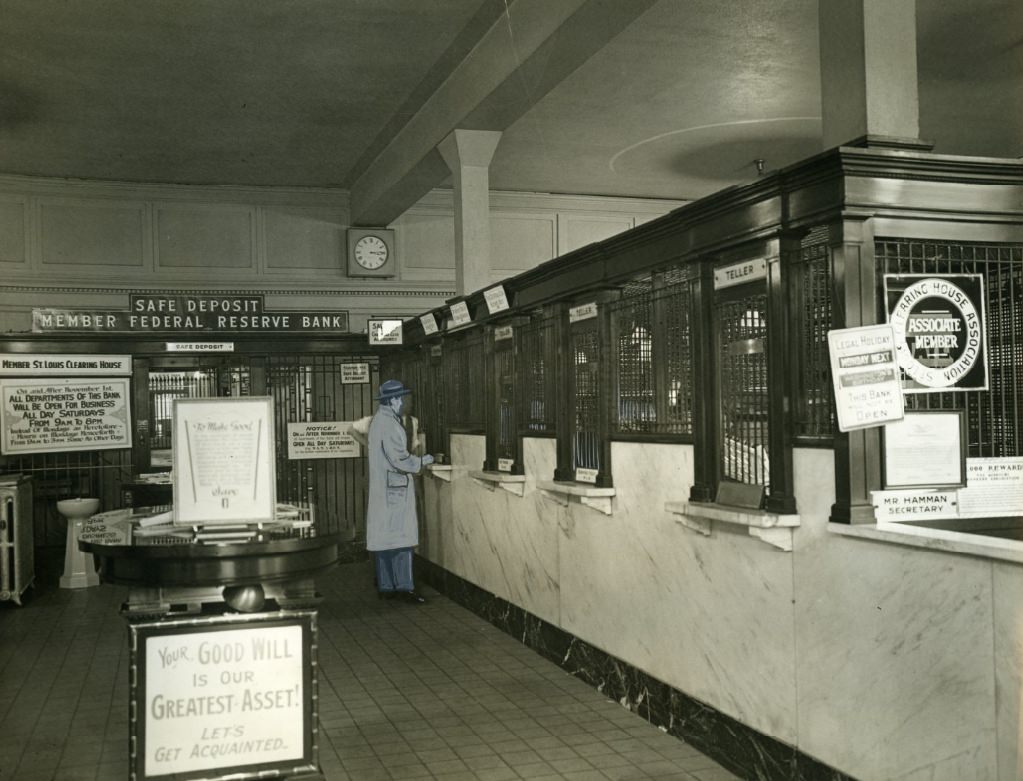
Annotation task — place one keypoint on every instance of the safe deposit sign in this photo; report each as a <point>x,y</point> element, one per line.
<point>939,328</point>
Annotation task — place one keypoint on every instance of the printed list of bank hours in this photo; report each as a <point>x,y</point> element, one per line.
<point>64,415</point>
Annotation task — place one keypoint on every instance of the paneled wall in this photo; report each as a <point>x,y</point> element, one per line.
<point>88,244</point>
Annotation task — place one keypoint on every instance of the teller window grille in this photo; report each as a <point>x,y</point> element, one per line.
<point>810,294</point>
<point>743,390</point>
<point>584,447</point>
<point>502,426</point>
<point>652,369</point>
<point>536,367</point>
<point>463,382</point>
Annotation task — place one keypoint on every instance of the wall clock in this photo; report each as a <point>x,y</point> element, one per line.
<point>371,252</point>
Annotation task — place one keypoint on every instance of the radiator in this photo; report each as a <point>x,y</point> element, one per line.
<point>17,556</point>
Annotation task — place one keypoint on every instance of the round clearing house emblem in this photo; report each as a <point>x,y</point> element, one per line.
<point>939,331</point>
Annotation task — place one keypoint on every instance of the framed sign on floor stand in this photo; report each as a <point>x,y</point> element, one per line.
<point>221,607</point>
<point>228,696</point>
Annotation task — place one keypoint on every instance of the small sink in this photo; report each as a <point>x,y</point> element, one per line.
<point>74,509</point>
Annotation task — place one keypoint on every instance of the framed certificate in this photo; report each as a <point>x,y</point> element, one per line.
<point>926,449</point>
<point>223,456</point>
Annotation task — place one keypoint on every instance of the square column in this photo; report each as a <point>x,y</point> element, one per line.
<point>868,72</point>
<point>468,154</point>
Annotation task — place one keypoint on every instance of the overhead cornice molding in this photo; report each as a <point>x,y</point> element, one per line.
<point>52,186</point>
<point>403,292</point>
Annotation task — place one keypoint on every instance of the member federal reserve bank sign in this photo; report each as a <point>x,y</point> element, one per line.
<point>939,328</point>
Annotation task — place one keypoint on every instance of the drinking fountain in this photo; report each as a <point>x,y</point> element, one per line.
<point>79,568</point>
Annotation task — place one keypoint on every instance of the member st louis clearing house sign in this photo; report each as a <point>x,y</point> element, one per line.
<point>939,328</point>
<point>198,312</point>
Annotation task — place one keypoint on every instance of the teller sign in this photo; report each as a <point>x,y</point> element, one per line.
<point>371,252</point>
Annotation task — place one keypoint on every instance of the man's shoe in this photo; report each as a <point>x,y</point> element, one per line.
<point>413,597</point>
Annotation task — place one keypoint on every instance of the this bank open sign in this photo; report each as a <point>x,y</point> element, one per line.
<point>223,696</point>
<point>940,333</point>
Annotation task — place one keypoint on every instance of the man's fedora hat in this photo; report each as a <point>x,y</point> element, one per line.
<point>392,389</point>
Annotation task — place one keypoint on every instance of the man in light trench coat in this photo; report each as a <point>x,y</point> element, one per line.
<point>391,528</point>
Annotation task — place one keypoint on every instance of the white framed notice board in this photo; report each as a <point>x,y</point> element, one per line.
<point>926,449</point>
<point>224,696</point>
<point>223,456</point>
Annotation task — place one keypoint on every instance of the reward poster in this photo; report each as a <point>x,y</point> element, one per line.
<point>939,328</point>
<point>223,698</point>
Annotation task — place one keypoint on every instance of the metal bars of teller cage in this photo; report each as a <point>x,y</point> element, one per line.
<point>653,378</point>
<point>813,414</point>
<point>536,343</point>
<point>431,403</point>
<point>309,388</point>
<point>504,366</point>
<point>586,360</point>
<point>463,368</point>
<point>164,387</point>
<point>993,416</point>
<point>742,357</point>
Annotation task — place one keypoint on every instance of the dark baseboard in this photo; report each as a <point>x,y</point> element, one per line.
<point>741,749</point>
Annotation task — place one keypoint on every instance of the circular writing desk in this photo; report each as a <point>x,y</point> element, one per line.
<point>167,574</point>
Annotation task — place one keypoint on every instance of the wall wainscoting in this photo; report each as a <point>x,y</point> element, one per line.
<point>744,751</point>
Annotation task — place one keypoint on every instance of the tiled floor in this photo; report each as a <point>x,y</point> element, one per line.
<point>405,693</point>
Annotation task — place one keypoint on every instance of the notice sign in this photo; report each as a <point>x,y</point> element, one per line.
<point>47,416</point>
<point>582,312</point>
<point>199,312</point>
<point>994,487</point>
<point>216,695</point>
<point>868,390</point>
<point>429,323</point>
<point>496,300</point>
<point>223,455</point>
<point>939,330</point>
<point>66,365</point>
<point>200,347</point>
<point>925,449</point>
<point>354,373</point>
<point>740,273</point>
<point>895,506</point>
<point>332,439</point>
<point>460,313</point>
<point>384,331</point>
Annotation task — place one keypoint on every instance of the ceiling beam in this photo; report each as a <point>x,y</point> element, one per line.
<point>526,52</point>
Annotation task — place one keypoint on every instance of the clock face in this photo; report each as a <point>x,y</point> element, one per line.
<point>370,252</point>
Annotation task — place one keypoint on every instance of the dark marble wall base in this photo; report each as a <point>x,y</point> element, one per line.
<point>744,751</point>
